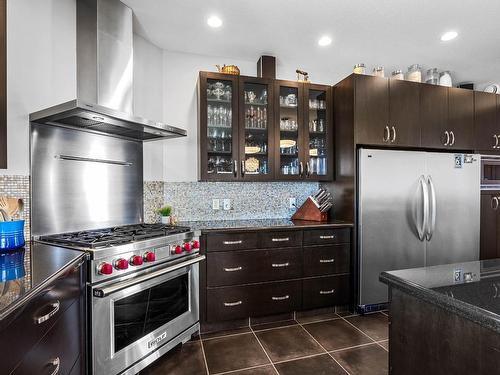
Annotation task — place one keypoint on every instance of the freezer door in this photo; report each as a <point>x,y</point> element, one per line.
<point>456,179</point>
<point>390,215</point>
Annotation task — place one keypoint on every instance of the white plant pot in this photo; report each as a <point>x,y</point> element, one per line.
<point>165,219</point>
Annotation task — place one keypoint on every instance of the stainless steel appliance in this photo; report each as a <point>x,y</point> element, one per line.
<point>490,172</point>
<point>415,209</point>
<point>144,292</point>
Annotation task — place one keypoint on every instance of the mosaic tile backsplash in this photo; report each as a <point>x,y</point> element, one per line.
<point>192,201</point>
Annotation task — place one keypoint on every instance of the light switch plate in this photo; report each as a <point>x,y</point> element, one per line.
<point>226,204</point>
<point>215,204</point>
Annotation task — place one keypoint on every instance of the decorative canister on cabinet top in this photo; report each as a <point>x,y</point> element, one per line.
<point>228,69</point>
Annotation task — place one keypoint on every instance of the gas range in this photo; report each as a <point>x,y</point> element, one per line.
<point>125,250</point>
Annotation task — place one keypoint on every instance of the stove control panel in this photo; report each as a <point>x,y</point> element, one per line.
<point>186,247</point>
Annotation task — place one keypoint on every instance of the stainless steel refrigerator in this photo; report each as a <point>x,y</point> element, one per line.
<point>415,209</point>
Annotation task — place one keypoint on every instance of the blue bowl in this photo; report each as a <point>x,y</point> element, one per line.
<point>12,265</point>
<point>11,235</point>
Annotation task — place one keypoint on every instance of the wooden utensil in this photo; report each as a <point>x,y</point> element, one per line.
<point>11,206</point>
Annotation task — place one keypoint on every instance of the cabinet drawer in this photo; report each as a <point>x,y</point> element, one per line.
<point>326,259</point>
<point>231,241</point>
<point>59,348</point>
<point>280,239</point>
<point>229,303</point>
<point>325,291</point>
<point>324,236</point>
<point>34,319</point>
<point>251,266</point>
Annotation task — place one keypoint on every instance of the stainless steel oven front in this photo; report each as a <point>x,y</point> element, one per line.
<point>137,319</point>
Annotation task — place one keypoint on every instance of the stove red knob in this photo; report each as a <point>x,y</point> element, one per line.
<point>136,260</point>
<point>121,264</point>
<point>149,257</point>
<point>195,244</point>
<point>105,269</point>
<point>178,249</point>
<point>187,247</point>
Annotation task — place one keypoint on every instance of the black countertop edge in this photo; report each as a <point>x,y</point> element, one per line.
<point>262,224</point>
<point>41,285</point>
<point>476,314</point>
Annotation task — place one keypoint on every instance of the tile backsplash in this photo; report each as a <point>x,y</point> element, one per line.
<point>192,201</point>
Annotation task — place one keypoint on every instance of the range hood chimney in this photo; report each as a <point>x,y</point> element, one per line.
<point>105,69</point>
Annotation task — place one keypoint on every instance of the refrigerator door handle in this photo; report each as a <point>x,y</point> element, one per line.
<point>432,213</point>
<point>425,216</point>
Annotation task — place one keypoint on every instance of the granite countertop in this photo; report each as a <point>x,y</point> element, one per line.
<point>471,290</point>
<point>256,224</point>
<point>25,272</point>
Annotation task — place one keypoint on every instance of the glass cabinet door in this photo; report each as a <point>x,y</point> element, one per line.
<point>288,122</point>
<point>219,148</point>
<point>256,125</point>
<point>318,122</point>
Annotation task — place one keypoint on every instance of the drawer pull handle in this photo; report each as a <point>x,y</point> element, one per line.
<point>233,242</point>
<point>327,237</point>
<point>229,304</point>
<point>327,291</point>
<point>284,239</point>
<point>233,269</point>
<point>282,298</point>
<point>277,265</point>
<point>55,308</point>
<point>327,260</point>
<point>56,362</point>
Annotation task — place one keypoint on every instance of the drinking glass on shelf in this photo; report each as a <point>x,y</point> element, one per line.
<point>321,125</point>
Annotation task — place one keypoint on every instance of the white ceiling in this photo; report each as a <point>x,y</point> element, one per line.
<point>394,34</point>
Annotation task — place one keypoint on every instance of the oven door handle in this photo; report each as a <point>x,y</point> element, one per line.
<point>106,291</point>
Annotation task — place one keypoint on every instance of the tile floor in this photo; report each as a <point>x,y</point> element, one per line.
<point>317,345</point>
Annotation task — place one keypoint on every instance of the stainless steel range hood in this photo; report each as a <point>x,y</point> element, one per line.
<point>105,78</point>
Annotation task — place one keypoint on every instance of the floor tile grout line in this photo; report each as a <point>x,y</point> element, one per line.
<point>380,343</point>
<point>322,347</point>
<point>300,358</point>
<point>371,338</point>
<point>265,352</point>
<point>352,347</point>
<point>204,356</point>
<point>229,335</point>
<point>319,321</point>
<point>241,369</point>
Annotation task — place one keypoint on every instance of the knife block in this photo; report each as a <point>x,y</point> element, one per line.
<point>309,211</point>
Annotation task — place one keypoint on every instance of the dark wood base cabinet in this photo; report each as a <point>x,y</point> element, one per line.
<point>261,273</point>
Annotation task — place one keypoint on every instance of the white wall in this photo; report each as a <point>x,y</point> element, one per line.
<point>41,68</point>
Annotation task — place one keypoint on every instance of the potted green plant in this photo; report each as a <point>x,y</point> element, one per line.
<point>165,213</point>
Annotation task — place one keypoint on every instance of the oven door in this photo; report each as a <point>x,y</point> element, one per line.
<point>132,318</point>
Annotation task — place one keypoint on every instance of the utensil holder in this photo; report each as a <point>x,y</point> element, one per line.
<point>11,235</point>
<point>309,211</point>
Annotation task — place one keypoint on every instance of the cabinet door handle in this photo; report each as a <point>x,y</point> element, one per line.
<point>56,362</point>
<point>387,134</point>
<point>230,304</point>
<point>393,139</point>
<point>494,203</point>
<point>330,237</point>
<point>234,269</point>
<point>232,242</point>
<point>243,168</point>
<point>452,138</point>
<point>282,298</point>
<point>283,239</point>
<point>55,308</point>
<point>308,173</point>
<point>447,138</point>
<point>278,265</point>
<point>327,291</point>
<point>301,169</point>
<point>235,168</point>
<point>327,260</point>
<point>495,137</point>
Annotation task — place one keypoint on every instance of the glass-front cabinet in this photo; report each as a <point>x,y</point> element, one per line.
<point>260,129</point>
<point>319,135</point>
<point>256,125</point>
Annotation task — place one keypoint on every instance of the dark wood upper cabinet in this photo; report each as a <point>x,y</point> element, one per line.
<point>433,115</point>
<point>3,84</point>
<point>486,129</point>
<point>371,110</point>
<point>404,113</point>
<point>461,118</point>
<point>490,225</point>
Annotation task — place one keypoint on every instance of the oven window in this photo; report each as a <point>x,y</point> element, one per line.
<point>143,312</point>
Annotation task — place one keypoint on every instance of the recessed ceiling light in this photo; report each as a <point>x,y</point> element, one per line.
<point>214,21</point>
<point>449,35</point>
<point>324,41</point>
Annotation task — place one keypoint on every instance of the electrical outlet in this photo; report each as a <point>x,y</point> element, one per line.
<point>226,203</point>
<point>215,204</point>
<point>292,202</point>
